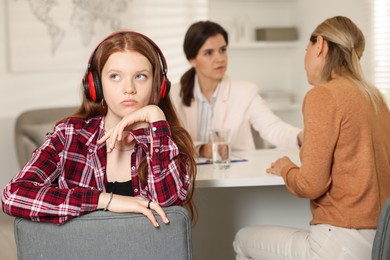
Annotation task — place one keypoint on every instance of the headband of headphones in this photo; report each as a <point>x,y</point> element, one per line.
<point>91,82</point>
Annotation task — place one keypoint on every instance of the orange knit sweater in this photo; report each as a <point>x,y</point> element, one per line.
<point>345,156</point>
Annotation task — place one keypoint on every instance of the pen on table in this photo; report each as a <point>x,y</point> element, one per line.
<point>211,162</point>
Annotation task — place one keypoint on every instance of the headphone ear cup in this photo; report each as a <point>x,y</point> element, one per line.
<point>97,86</point>
<point>165,87</point>
<point>92,86</point>
<point>86,86</point>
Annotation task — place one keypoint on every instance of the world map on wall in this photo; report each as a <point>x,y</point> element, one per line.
<point>85,16</point>
<point>58,36</point>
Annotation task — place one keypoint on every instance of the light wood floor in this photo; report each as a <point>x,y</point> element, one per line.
<point>7,239</point>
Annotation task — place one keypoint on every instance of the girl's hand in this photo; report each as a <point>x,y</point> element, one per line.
<point>139,118</point>
<point>123,204</point>
<point>278,165</point>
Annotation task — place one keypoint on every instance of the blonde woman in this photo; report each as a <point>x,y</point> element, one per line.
<point>345,155</point>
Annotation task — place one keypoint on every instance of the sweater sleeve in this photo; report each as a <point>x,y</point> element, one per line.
<point>322,125</point>
<point>270,126</point>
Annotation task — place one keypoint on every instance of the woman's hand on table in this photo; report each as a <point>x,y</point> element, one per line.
<point>277,166</point>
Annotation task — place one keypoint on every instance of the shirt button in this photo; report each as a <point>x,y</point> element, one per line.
<point>154,129</point>
<point>90,150</point>
<point>156,150</point>
<point>132,168</point>
<point>135,190</point>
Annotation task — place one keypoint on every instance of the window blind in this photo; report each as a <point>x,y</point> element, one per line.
<point>380,42</point>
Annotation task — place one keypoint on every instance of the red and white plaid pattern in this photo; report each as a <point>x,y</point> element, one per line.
<point>66,175</point>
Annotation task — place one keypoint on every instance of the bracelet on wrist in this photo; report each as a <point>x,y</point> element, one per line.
<point>109,201</point>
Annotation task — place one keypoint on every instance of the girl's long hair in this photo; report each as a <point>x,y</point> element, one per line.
<point>131,41</point>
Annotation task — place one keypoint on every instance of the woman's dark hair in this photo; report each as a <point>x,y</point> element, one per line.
<point>197,34</point>
<point>128,41</point>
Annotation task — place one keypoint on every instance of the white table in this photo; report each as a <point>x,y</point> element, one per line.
<point>242,195</point>
<point>245,174</point>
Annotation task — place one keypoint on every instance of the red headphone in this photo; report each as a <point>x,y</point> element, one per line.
<point>91,81</point>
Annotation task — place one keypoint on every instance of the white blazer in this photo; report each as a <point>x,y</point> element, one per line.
<point>238,106</point>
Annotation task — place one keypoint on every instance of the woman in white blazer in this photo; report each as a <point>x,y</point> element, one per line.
<point>206,98</point>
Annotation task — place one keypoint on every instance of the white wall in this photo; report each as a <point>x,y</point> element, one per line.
<point>21,91</point>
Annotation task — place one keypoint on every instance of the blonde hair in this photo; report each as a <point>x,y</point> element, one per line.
<point>346,45</point>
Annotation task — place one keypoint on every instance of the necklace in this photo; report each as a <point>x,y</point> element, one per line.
<point>124,149</point>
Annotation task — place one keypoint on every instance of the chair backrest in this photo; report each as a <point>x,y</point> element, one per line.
<point>381,246</point>
<point>32,126</point>
<point>107,235</point>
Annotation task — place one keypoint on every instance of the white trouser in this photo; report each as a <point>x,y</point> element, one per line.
<point>322,242</point>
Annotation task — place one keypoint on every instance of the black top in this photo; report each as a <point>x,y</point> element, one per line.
<point>120,188</point>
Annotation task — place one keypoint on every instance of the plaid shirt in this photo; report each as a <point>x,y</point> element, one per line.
<point>66,175</point>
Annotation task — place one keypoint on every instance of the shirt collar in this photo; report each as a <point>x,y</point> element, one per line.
<point>199,95</point>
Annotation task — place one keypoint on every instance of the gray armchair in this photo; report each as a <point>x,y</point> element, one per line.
<point>32,126</point>
<point>106,235</point>
<point>98,235</point>
<point>381,246</point>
